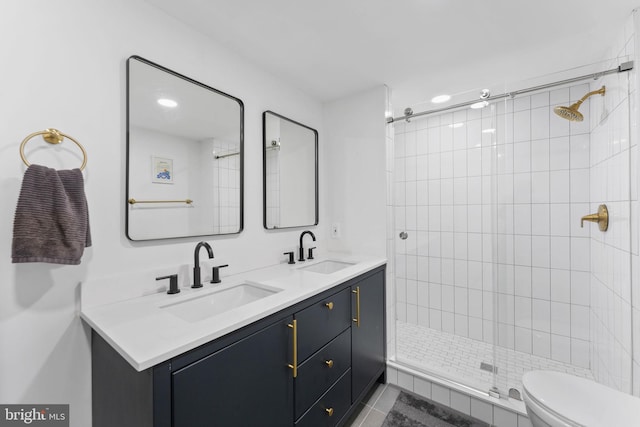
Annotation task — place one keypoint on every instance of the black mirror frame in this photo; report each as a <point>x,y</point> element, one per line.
<point>264,171</point>
<point>128,142</point>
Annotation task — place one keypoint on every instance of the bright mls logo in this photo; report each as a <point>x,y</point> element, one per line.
<point>34,415</point>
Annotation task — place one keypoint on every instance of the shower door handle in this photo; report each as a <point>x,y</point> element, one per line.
<point>403,235</point>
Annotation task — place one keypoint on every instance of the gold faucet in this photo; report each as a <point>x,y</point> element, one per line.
<point>601,217</point>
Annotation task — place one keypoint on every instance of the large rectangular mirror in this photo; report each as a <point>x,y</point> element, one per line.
<point>290,165</point>
<point>184,156</point>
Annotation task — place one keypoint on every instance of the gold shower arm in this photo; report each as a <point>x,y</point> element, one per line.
<point>600,91</point>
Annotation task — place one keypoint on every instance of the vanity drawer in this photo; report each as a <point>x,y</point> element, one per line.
<point>331,407</point>
<point>322,322</point>
<point>321,370</point>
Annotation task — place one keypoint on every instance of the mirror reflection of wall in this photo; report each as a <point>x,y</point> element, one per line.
<point>184,156</point>
<point>290,173</point>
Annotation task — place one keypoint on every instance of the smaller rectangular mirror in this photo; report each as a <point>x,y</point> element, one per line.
<point>290,165</point>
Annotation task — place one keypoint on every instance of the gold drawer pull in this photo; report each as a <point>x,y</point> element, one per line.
<point>329,363</point>
<point>329,305</point>
<point>294,366</point>
<point>357,318</point>
<point>329,411</point>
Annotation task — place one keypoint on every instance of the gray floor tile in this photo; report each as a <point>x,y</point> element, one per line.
<point>374,419</point>
<point>387,399</point>
<point>357,418</point>
<point>373,394</point>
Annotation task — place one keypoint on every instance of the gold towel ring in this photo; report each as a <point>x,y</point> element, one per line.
<point>52,136</point>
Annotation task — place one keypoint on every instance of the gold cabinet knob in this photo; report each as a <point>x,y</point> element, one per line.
<point>329,411</point>
<point>329,363</point>
<point>329,305</point>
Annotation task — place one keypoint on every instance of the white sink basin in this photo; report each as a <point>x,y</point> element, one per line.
<point>327,267</point>
<point>214,303</point>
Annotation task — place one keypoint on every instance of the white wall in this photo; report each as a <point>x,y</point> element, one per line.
<point>357,161</point>
<point>64,67</point>
<point>354,163</point>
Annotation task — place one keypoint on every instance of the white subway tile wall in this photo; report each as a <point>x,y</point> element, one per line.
<point>563,291</point>
<point>226,179</point>
<point>612,158</point>
<point>444,269</point>
<point>566,294</point>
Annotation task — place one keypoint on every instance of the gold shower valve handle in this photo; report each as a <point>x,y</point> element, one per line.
<point>601,217</point>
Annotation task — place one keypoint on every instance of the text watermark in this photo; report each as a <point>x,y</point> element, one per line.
<point>34,415</point>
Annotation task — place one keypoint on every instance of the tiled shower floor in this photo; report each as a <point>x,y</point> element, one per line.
<point>459,358</point>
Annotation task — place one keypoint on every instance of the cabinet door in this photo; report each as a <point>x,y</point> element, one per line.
<point>245,384</point>
<point>367,333</point>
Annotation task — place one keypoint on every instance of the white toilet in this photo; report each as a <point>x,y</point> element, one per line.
<point>557,399</point>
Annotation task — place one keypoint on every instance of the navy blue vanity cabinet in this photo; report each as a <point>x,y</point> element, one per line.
<point>324,350</point>
<point>246,383</point>
<point>240,379</point>
<point>368,333</point>
<point>246,378</point>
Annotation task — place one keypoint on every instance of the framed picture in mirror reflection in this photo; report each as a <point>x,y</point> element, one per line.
<point>162,170</point>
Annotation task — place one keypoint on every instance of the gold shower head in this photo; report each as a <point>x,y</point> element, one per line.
<point>571,113</point>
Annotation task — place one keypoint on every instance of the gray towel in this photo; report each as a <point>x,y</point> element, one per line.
<point>51,223</point>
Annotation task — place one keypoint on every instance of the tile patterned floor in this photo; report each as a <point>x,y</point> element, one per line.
<point>374,407</point>
<point>459,358</point>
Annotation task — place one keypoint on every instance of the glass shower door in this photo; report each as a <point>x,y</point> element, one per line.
<point>443,243</point>
<point>558,284</point>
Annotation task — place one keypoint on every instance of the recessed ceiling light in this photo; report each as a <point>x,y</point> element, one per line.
<point>478,105</point>
<point>166,102</point>
<point>440,99</point>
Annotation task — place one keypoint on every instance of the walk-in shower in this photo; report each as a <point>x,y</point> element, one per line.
<point>493,275</point>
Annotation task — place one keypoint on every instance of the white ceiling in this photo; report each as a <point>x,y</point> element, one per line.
<point>419,48</point>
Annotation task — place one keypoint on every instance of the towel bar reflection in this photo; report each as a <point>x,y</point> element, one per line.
<point>133,201</point>
<point>52,136</point>
<point>222,156</point>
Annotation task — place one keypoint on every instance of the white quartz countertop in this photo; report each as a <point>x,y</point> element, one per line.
<point>145,334</point>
